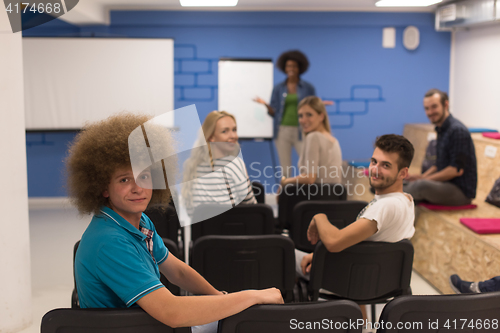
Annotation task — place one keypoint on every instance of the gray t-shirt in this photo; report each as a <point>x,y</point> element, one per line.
<point>322,157</point>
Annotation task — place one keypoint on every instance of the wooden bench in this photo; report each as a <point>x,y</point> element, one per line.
<point>443,246</point>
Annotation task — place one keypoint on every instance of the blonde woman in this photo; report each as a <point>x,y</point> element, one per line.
<point>215,173</point>
<point>321,157</point>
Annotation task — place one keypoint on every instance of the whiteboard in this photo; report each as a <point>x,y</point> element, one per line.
<point>240,81</point>
<point>70,81</point>
<point>475,76</point>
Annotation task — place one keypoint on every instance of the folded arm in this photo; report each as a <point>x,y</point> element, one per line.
<point>426,174</point>
<point>446,174</point>
<point>335,239</point>
<point>181,311</point>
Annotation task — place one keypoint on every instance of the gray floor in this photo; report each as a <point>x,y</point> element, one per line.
<point>54,229</point>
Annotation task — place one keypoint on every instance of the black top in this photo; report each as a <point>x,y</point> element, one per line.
<point>455,148</point>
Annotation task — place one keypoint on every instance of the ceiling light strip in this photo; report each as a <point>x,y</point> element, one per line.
<point>208,3</point>
<point>406,3</point>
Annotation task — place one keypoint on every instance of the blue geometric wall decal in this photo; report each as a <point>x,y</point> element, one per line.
<point>356,105</point>
<point>352,106</point>
<point>338,120</point>
<point>41,142</point>
<point>188,88</point>
<point>188,69</point>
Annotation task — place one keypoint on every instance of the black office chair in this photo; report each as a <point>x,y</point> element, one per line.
<point>174,251</point>
<point>340,214</point>
<point>367,273</point>
<point>235,263</point>
<point>244,219</point>
<point>75,303</point>
<point>166,223</point>
<point>130,320</point>
<point>278,318</point>
<point>292,194</point>
<point>259,192</point>
<point>442,313</point>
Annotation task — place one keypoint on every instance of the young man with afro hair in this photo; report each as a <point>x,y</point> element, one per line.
<point>120,257</point>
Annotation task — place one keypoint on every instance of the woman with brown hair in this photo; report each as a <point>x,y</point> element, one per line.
<point>321,157</point>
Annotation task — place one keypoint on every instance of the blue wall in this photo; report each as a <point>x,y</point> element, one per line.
<point>376,90</point>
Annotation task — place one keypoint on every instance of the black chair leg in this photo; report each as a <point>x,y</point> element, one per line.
<point>373,308</point>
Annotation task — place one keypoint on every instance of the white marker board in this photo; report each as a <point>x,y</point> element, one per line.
<point>240,81</point>
<point>70,81</point>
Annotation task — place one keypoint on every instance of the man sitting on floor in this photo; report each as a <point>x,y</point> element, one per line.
<point>452,180</point>
<point>387,218</point>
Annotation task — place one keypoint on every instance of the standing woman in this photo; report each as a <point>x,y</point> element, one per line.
<point>283,107</point>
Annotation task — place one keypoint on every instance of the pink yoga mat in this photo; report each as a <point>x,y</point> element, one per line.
<point>482,226</point>
<point>440,207</point>
<point>492,135</point>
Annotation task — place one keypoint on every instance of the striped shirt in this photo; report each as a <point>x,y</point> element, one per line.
<point>227,185</point>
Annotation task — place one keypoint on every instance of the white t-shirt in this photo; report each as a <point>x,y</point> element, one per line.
<point>394,214</point>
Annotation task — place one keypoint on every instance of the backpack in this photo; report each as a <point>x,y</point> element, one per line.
<point>494,195</point>
<point>430,156</point>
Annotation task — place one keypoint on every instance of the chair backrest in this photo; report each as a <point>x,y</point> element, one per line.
<point>244,219</point>
<point>165,220</point>
<point>259,192</point>
<point>293,317</point>
<point>442,313</point>
<point>364,272</point>
<point>130,320</point>
<point>292,194</point>
<point>171,246</point>
<point>340,214</point>
<point>235,263</point>
<point>75,303</point>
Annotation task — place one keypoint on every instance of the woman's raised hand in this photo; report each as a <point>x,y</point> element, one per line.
<point>259,100</point>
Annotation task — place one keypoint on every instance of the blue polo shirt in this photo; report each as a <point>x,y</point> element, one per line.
<point>114,267</point>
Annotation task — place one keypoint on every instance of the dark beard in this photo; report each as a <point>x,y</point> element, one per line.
<point>441,118</point>
<point>382,186</point>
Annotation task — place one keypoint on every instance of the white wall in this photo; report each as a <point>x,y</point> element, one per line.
<point>475,76</point>
<point>15,279</point>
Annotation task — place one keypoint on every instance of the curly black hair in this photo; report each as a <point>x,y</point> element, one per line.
<point>296,56</point>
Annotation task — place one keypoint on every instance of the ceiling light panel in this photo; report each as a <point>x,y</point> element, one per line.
<point>208,3</point>
<point>406,3</point>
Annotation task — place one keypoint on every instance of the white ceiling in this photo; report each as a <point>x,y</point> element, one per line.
<point>97,11</point>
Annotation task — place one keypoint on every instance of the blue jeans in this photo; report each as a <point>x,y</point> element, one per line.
<point>490,285</point>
